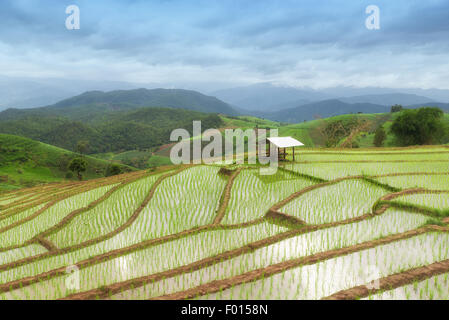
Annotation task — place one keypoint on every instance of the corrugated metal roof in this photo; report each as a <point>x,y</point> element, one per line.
<point>285,142</point>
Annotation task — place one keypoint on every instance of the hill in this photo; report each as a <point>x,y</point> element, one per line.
<point>25,162</point>
<point>314,134</point>
<point>93,104</point>
<point>127,99</point>
<point>324,109</point>
<point>442,106</point>
<point>266,96</point>
<point>106,131</point>
<point>388,99</point>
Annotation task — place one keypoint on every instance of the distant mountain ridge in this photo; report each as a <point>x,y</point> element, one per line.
<point>172,98</point>
<point>266,97</point>
<point>388,99</point>
<point>324,109</point>
<point>335,107</point>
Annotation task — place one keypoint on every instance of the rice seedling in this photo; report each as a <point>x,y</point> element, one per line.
<point>432,182</point>
<point>106,216</point>
<point>298,246</point>
<point>433,200</point>
<point>155,259</point>
<point>337,170</point>
<point>168,226</point>
<point>344,200</point>
<point>435,288</point>
<point>19,253</point>
<point>252,194</point>
<point>320,278</point>
<point>49,217</point>
<point>354,157</point>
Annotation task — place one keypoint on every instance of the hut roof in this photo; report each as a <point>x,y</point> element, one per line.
<point>285,142</point>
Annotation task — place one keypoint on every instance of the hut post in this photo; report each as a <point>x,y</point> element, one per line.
<point>293,154</point>
<point>257,140</point>
<point>268,143</point>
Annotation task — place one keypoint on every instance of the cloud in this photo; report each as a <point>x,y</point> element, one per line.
<point>229,41</point>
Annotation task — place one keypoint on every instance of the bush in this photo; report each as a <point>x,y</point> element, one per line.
<point>78,165</point>
<point>379,137</point>
<point>113,169</point>
<point>69,175</point>
<point>396,108</point>
<point>419,126</point>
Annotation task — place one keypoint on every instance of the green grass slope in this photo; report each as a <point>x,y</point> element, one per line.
<point>311,132</point>
<point>25,162</point>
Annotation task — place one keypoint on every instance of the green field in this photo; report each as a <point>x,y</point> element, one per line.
<point>25,162</point>
<point>334,223</point>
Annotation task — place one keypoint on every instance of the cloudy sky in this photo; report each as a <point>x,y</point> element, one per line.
<point>229,42</point>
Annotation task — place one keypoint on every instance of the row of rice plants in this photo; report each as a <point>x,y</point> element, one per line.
<point>435,200</point>
<point>435,288</point>
<point>41,194</point>
<point>130,236</point>
<point>56,191</point>
<point>9,200</point>
<point>253,194</point>
<point>49,217</point>
<point>154,259</point>
<point>398,150</point>
<point>320,280</point>
<point>373,157</point>
<point>20,253</point>
<point>181,202</point>
<point>331,171</point>
<point>299,246</point>
<point>432,182</point>
<point>19,216</point>
<point>343,200</point>
<point>106,216</point>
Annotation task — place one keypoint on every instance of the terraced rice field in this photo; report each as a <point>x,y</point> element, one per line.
<point>335,224</point>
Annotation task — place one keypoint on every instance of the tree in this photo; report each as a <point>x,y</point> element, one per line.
<point>379,136</point>
<point>419,126</point>
<point>113,169</point>
<point>78,165</point>
<point>396,108</point>
<point>82,146</point>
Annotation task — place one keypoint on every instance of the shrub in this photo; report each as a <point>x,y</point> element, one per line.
<point>379,137</point>
<point>113,169</point>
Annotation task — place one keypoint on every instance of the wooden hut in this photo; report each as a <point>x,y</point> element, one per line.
<point>282,143</point>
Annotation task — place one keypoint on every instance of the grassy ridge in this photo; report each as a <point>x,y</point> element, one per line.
<point>25,162</point>
<point>310,132</point>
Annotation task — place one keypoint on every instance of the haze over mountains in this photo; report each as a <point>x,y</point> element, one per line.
<point>267,100</point>
<point>268,97</point>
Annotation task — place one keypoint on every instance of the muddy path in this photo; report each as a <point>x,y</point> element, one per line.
<point>226,195</point>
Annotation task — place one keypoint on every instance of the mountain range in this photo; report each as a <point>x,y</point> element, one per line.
<point>92,104</point>
<point>267,97</point>
<point>293,105</point>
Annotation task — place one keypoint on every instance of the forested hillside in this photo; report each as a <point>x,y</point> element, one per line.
<point>107,131</point>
